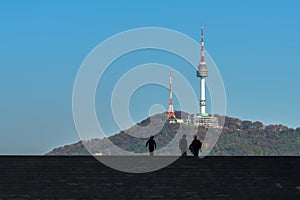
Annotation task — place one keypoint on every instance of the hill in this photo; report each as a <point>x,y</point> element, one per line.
<point>238,138</point>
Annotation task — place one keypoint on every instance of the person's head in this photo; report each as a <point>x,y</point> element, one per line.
<point>151,137</point>
<point>184,136</point>
<point>195,137</point>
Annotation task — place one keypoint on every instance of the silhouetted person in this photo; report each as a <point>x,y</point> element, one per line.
<point>183,145</point>
<point>195,146</point>
<point>151,144</point>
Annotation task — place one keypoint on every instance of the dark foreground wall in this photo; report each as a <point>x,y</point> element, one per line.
<point>187,178</point>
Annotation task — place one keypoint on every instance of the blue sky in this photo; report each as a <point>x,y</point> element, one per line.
<point>43,43</point>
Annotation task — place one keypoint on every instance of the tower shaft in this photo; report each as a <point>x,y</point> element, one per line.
<point>202,99</point>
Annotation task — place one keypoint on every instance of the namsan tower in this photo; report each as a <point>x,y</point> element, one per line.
<point>202,72</point>
<point>171,113</point>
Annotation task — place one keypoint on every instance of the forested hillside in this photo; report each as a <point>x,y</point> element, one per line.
<point>238,137</point>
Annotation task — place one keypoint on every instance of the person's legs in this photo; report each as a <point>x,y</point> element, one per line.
<point>151,153</point>
<point>195,153</point>
<point>182,152</point>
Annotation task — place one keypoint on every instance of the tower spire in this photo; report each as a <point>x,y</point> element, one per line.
<point>202,45</point>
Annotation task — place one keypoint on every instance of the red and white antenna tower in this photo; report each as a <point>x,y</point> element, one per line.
<point>171,113</point>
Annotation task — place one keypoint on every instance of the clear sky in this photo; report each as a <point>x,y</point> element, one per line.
<point>255,44</point>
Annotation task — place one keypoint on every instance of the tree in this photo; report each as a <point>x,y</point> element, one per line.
<point>246,124</point>
<point>258,125</point>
